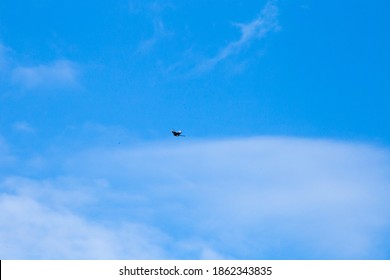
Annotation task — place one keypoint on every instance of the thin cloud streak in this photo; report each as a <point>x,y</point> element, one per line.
<point>255,30</point>
<point>159,32</point>
<point>153,11</point>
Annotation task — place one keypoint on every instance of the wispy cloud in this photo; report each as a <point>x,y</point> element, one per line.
<point>60,73</point>
<point>258,28</point>
<point>159,32</point>
<point>263,197</point>
<point>23,127</point>
<point>153,11</point>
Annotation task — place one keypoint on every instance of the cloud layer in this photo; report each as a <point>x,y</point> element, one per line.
<point>264,197</point>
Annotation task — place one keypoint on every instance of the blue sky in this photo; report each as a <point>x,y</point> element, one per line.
<point>285,107</point>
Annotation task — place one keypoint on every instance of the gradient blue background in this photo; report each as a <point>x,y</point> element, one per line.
<point>288,96</point>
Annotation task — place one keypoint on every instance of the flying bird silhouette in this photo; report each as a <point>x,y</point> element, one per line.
<point>177,133</point>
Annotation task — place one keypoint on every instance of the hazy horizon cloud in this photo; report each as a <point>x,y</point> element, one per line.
<point>261,197</point>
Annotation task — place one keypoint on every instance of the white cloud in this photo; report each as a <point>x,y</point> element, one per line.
<point>56,74</point>
<point>60,73</point>
<point>36,228</point>
<point>255,30</point>
<point>262,197</point>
